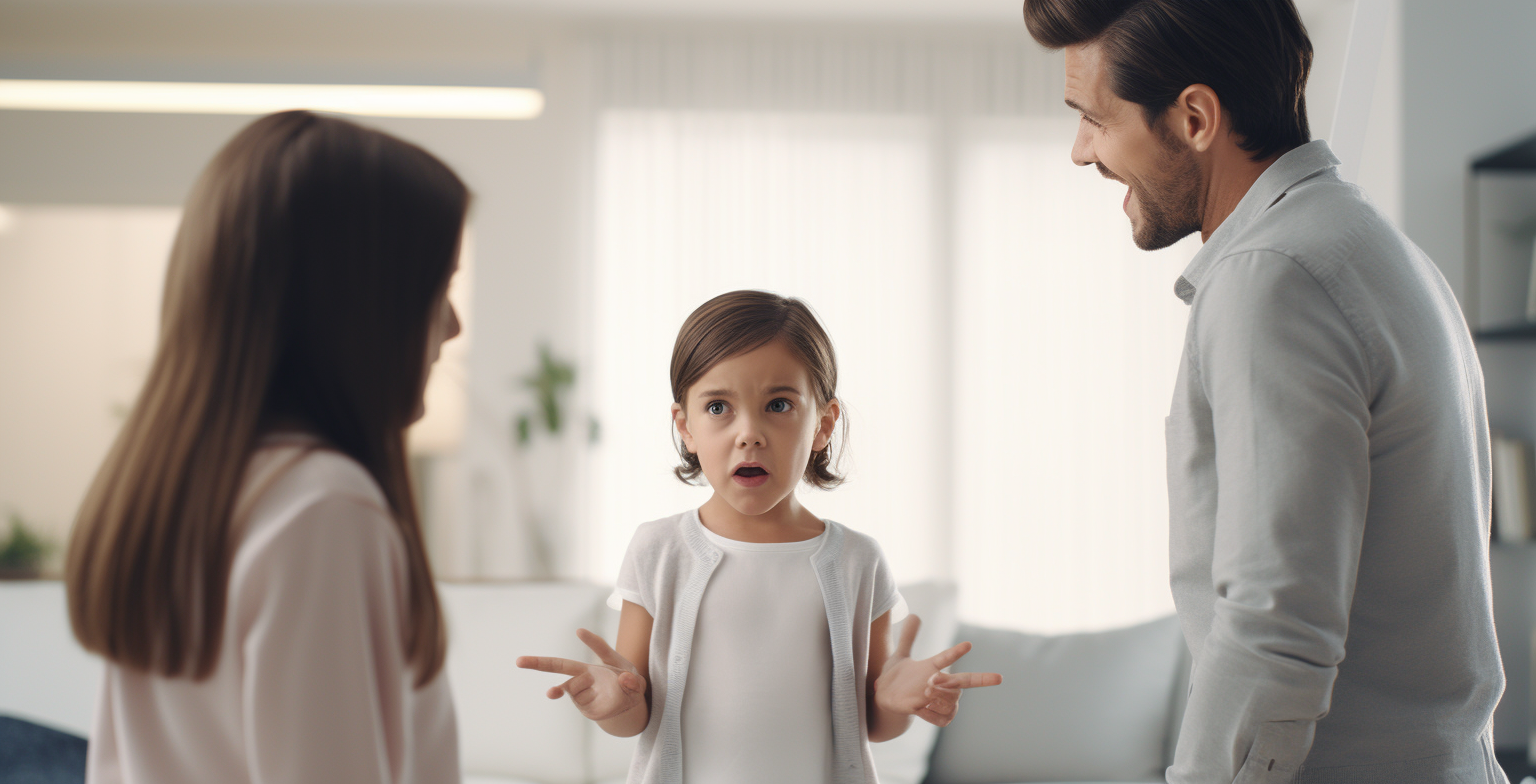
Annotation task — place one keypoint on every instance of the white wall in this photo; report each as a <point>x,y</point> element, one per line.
<point>527,177</point>
<point>79,308</point>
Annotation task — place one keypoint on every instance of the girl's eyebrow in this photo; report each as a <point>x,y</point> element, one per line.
<point>727,393</point>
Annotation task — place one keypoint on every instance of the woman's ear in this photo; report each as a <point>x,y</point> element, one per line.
<point>680,421</point>
<point>829,416</point>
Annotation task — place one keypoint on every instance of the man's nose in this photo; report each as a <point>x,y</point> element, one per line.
<point>1082,147</point>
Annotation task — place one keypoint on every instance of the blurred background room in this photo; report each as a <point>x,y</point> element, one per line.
<point>1007,354</point>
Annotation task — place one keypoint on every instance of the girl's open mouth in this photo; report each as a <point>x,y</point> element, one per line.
<point>750,475</point>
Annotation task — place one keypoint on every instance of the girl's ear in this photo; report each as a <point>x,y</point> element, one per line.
<point>829,416</point>
<point>680,421</point>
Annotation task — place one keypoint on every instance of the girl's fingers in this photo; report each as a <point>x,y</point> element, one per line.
<point>966,680</point>
<point>950,656</point>
<point>934,718</point>
<point>552,664</point>
<point>631,682</point>
<point>580,683</point>
<point>941,693</point>
<point>555,693</point>
<point>908,635</point>
<point>943,700</point>
<point>604,651</point>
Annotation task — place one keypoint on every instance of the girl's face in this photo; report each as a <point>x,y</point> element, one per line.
<point>754,421</point>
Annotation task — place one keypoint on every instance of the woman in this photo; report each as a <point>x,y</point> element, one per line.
<point>249,559</point>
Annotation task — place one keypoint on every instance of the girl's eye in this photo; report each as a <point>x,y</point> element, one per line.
<point>780,406</point>
<point>716,408</point>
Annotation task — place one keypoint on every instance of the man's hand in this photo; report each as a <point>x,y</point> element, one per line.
<point>600,691</point>
<point>921,687</point>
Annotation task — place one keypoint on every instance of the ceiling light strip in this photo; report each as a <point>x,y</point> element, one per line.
<point>476,103</point>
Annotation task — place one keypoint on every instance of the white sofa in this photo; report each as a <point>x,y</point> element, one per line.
<point>1089,707</point>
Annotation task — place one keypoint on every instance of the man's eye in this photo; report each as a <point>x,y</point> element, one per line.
<point>780,406</point>
<point>716,408</point>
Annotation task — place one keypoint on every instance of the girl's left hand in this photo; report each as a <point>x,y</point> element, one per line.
<point>921,687</point>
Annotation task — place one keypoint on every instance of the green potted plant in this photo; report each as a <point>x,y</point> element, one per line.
<point>545,448</point>
<point>23,552</point>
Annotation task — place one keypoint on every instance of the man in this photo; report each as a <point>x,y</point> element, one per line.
<point>1328,458</point>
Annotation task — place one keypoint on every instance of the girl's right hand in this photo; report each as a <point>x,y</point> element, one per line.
<point>600,691</point>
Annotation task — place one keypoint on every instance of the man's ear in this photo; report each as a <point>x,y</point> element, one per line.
<point>829,416</point>
<point>1196,118</point>
<point>680,421</point>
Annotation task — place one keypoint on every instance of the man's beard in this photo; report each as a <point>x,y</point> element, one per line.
<point>1169,204</point>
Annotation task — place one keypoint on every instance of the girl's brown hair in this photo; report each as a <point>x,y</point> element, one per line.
<point>310,258</point>
<point>738,322</point>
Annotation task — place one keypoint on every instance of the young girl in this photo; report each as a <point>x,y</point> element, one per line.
<point>248,559</point>
<point>754,640</point>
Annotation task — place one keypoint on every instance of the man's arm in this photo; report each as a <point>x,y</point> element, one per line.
<point>1289,386</point>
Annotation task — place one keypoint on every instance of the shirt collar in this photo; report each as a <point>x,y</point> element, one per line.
<point>1299,164</point>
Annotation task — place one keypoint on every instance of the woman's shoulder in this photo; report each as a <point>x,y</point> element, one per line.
<point>306,468</point>
<point>305,490</point>
<point>311,523</point>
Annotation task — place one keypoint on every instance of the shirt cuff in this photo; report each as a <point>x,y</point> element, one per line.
<point>619,596</point>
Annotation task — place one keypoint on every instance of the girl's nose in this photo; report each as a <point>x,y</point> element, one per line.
<point>750,435</point>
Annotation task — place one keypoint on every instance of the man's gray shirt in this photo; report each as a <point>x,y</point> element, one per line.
<point>1329,493</point>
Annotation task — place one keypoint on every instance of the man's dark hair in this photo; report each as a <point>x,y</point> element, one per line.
<point>1254,53</point>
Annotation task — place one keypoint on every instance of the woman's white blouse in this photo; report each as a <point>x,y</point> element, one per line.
<point>311,684</point>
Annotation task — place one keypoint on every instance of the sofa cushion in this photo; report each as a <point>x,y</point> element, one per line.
<point>507,728</point>
<point>1076,707</point>
<point>45,676</point>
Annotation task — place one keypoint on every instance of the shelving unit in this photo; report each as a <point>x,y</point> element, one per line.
<point>1515,160</point>
<point>1506,334</point>
<point>1500,231</point>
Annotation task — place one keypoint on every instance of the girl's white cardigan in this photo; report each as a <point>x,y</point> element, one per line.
<point>668,565</point>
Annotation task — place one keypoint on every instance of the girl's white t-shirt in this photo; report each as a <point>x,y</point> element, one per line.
<point>758,708</point>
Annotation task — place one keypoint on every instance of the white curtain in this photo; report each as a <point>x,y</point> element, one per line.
<point>1067,342</point>
<point>1007,355</point>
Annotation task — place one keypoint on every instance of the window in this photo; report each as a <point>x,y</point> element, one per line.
<point>1067,342</point>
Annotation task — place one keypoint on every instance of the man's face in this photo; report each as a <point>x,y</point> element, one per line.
<point>1161,174</point>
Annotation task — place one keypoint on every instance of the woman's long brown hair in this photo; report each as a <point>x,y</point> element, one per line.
<point>309,260</point>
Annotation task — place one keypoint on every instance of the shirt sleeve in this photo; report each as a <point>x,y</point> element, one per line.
<point>1288,381</point>
<point>629,586</point>
<point>325,681</point>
